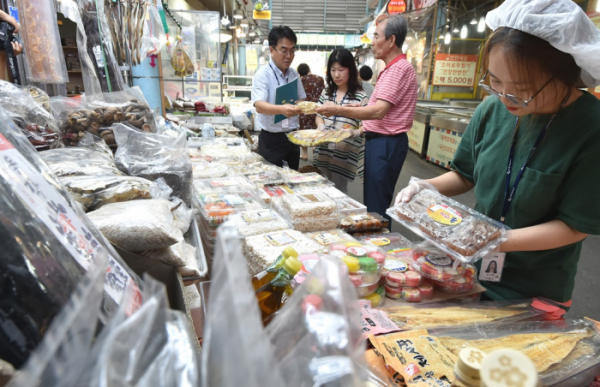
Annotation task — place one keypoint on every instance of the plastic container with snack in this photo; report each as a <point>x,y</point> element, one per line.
<point>266,178</point>
<point>460,231</point>
<point>360,222</point>
<point>307,179</point>
<point>223,184</point>
<point>255,222</point>
<point>436,264</point>
<point>377,298</point>
<point>205,170</point>
<point>392,243</point>
<point>348,205</point>
<point>330,237</point>
<point>215,207</point>
<point>364,261</point>
<point>460,285</point>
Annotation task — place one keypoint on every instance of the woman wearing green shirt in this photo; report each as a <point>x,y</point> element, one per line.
<point>531,151</point>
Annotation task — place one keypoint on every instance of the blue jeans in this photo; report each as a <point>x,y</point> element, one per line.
<point>384,157</point>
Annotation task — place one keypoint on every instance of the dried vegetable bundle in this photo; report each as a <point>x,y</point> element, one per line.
<point>181,62</point>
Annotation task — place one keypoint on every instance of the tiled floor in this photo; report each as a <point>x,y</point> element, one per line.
<point>586,302</point>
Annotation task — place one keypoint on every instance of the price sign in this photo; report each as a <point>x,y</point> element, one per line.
<point>396,6</point>
<point>455,70</point>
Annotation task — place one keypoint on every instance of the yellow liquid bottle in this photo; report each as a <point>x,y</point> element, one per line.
<point>270,296</point>
<point>267,275</point>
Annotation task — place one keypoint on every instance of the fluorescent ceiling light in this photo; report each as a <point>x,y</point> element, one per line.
<point>464,32</point>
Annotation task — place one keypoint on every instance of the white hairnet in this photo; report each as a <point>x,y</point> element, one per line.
<point>562,23</point>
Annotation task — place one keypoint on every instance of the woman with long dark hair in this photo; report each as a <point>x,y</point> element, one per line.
<point>531,151</point>
<point>340,162</point>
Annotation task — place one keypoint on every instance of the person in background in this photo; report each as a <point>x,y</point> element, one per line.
<point>313,87</point>
<point>17,47</point>
<point>388,116</point>
<point>365,75</point>
<point>340,162</point>
<point>273,143</point>
<point>532,149</point>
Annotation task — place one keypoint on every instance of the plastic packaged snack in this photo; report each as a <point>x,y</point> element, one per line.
<point>137,225</point>
<point>460,231</point>
<point>348,205</point>
<point>361,222</point>
<point>365,290</point>
<point>461,284</point>
<point>436,264</point>
<point>258,222</point>
<point>392,243</point>
<point>313,206</point>
<point>216,207</point>
<point>313,137</point>
<point>206,170</point>
<point>266,178</point>
<point>377,298</point>
<point>218,150</point>
<point>222,184</point>
<point>66,162</point>
<point>330,237</point>
<point>307,179</point>
<point>307,107</point>
<point>361,277</point>
<point>262,250</point>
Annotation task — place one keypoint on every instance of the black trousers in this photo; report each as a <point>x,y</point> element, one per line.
<point>276,148</point>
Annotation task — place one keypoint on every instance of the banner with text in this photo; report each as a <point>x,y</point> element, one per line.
<point>456,70</point>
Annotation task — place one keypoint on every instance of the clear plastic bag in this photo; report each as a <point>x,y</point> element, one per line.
<point>45,60</point>
<point>234,322</point>
<point>44,231</point>
<point>138,225</point>
<point>154,156</point>
<point>154,34</point>
<point>257,222</point>
<point>453,227</point>
<point>316,336</point>
<point>66,162</point>
<point>182,215</point>
<point>152,347</point>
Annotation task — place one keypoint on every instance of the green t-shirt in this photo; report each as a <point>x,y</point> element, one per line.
<point>561,181</point>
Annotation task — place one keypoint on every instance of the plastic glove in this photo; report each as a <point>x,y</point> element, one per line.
<point>414,187</point>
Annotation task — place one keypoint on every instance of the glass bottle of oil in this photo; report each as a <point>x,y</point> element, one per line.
<point>267,275</point>
<point>270,296</point>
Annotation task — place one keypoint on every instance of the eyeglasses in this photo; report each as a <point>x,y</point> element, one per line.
<point>512,98</point>
<point>291,52</point>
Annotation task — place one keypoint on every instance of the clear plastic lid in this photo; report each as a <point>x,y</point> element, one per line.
<point>266,177</point>
<point>215,207</point>
<point>330,191</point>
<point>460,231</point>
<point>206,170</point>
<point>223,184</point>
<point>359,222</point>
<point>436,264</point>
<point>392,243</point>
<point>308,179</point>
<point>257,222</point>
<point>348,205</point>
<point>313,205</point>
<point>330,237</point>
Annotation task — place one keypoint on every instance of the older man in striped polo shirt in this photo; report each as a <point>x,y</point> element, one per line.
<point>388,116</point>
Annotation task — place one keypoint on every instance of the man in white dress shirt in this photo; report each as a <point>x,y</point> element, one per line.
<point>273,143</point>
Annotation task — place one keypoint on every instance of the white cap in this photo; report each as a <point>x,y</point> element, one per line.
<point>468,366</point>
<point>508,368</point>
<point>562,23</point>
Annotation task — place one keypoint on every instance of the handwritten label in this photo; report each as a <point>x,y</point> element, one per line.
<point>455,70</point>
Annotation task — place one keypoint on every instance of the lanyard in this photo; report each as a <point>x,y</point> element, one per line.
<point>277,77</point>
<point>332,126</point>
<point>509,193</point>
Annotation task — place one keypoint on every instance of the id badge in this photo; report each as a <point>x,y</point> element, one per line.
<point>285,124</point>
<point>491,267</point>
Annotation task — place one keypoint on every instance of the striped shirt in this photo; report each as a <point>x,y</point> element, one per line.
<point>396,84</point>
<point>347,158</point>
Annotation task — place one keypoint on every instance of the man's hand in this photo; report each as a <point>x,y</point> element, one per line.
<point>328,109</point>
<point>291,110</point>
<point>17,48</point>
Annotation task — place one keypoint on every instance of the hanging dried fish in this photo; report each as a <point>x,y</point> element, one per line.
<point>140,28</point>
<point>181,62</point>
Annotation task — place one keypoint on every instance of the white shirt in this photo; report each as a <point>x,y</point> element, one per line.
<point>266,81</point>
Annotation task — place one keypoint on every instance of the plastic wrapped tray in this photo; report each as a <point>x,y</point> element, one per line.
<point>266,178</point>
<point>262,250</point>
<point>215,207</point>
<point>462,284</point>
<point>257,222</point>
<point>348,205</point>
<point>410,294</point>
<point>328,190</point>
<point>223,184</point>
<point>459,230</point>
<point>330,237</point>
<point>436,264</point>
<point>309,179</point>
<point>392,243</point>
<point>398,272</point>
<point>275,191</point>
<point>206,170</point>
<point>360,222</point>
<point>314,206</point>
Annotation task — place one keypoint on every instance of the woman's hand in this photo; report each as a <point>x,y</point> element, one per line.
<point>328,109</point>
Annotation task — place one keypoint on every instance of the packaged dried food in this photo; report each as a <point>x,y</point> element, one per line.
<point>313,137</point>
<point>365,290</point>
<point>95,191</point>
<point>460,231</point>
<point>392,243</point>
<point>80,162</point>
<point>315,206</point>
<point>364,222</point>
<point>206,170</point>
<point>266,178</point>
<point>137,225</point>
<point>263,250</point>
<point>461,284</point>
<point>216,207</point>
<point>328,190</point>
<point>191,268</point>
<point>307,179</point>
<point>348,205</point>
<point>257,222</point>
<point>220,150</point>
<point>173,255</point>
<point>275,191</point>
<point>307,107</point>
<point>436,264</point>
<point>153,156</point>
<point>330,237</point>
<point>223,184</point>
